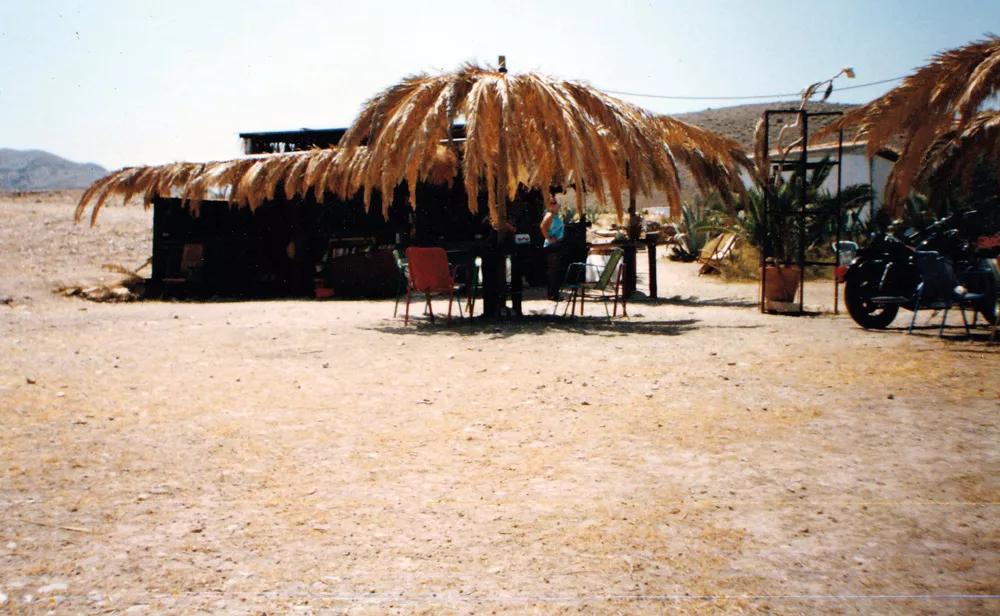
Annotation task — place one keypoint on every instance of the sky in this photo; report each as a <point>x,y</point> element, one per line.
<point>147,82</point>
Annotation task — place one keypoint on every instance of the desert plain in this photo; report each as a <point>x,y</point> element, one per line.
<point>300,456</point>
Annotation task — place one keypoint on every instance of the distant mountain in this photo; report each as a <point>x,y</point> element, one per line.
<point>39,170</point>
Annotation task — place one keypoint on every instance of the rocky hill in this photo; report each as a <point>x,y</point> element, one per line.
<point>30,170</point>
<point>738,122</point>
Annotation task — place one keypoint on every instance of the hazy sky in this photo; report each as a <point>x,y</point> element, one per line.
<point>130,82</point>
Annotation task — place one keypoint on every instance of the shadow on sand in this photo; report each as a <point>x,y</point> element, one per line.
<point>694,301</point>
<point>977,341</point>
<point>538,324</point>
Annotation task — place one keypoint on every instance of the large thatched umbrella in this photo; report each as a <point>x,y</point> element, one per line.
<point>939,114</point>
<point>529,130</point>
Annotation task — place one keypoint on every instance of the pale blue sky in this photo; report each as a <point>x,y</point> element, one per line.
<point>130,82</point>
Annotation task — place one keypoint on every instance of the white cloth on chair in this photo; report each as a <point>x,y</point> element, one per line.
<point>599,262</point>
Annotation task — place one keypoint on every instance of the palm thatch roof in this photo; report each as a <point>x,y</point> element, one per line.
<point>530,130</point>
<point>938,113</point>
<point>248,181</point>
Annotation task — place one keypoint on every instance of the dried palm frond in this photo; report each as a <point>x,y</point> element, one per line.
<point>955,154</point>
<point>760,153</point>
<point>715,162</point>
<point>246,182</point>
<point>940,99</point>
<point>526,130</point>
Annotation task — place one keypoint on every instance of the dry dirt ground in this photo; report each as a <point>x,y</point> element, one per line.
<point>304,456</point>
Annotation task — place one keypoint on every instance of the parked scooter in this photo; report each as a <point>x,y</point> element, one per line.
<point>883,277</point>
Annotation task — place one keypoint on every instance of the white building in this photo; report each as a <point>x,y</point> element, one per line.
<point>855,167</point>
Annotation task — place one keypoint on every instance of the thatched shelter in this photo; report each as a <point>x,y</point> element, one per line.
<point>491,137</point>
<point>940,115</point>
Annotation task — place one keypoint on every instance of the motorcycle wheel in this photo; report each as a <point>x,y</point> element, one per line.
<point>988,307</point>
<point>857,297</point>
<point>989,311</point>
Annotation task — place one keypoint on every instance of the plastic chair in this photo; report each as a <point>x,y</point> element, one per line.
<point>430,274</point>
<point>993,266</point>
<point>848,250</point>
<point>575,281</point>
<point>939,288</point>
<point>467,279</point>
<point>846,253</point>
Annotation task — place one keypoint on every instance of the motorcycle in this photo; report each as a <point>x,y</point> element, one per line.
<point>883,277</point>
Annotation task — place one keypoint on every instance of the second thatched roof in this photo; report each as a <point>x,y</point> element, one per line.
<point>249,181</point>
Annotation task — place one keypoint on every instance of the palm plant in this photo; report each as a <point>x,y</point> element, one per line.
<point>776,231</point>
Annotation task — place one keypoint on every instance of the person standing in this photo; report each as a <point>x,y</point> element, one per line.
<point>553,230</point>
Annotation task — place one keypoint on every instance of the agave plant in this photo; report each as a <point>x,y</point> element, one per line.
<point>940,113</point>
<point>694,229</point>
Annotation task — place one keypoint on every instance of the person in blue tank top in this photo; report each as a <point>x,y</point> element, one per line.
<point>553,230</point>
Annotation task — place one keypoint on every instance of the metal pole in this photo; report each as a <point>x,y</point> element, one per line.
<point>766,191</point>
<point>632,234</point>
<point>836,256</point>
<point>803,196</point>
<point>651,254</point>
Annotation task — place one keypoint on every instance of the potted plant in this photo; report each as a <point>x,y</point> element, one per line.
<point>782,236</point>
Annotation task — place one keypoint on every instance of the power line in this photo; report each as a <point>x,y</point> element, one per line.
<point>730,98</point>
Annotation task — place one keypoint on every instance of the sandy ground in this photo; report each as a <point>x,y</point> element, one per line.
<point>303,456</point>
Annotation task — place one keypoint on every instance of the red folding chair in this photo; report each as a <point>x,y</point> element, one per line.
<point>430,274</point>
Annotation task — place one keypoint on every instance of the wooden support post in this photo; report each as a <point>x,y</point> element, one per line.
<point>651,254</point>
<point>628,287</point>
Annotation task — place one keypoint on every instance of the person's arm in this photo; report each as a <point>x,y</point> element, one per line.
<point>546,225</point>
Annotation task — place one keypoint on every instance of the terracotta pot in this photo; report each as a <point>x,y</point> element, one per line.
<point>782,281</point>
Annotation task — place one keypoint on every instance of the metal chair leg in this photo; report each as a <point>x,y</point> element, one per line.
<point>470,301</point>
<point>916,309</point>
<point>944,320</point>
<point>406,317</point>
